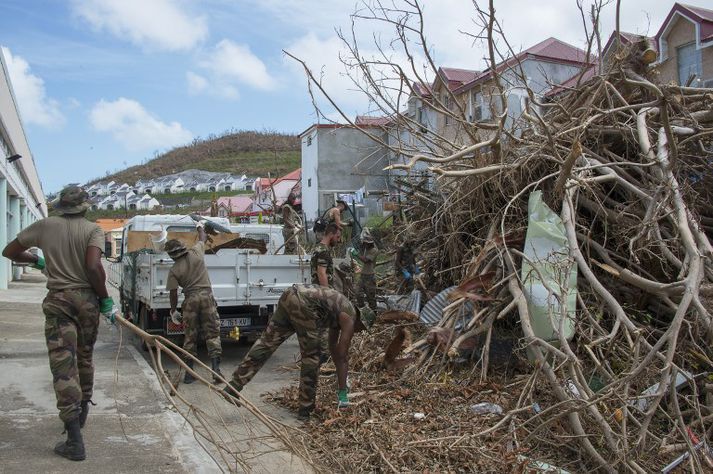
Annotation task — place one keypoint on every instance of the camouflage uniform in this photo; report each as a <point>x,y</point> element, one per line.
<point>322,257</point>
<point>291,230</point>
<point>200,313</point>
<point>199,309</point>
<point>367,281</point>
<point>71,322</point>
<point>308,310</point>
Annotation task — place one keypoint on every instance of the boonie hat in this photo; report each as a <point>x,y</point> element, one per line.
<point>175,248</point>
<point>72,200</point>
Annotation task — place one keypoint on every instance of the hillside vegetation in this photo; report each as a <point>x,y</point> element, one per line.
<point>244,152</point>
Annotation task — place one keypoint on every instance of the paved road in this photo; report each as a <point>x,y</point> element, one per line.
<point>133,428</point>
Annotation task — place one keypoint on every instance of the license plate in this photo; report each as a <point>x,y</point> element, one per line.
<point>232,322</point>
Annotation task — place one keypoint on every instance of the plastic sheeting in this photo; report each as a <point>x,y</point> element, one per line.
<point>549,275</point>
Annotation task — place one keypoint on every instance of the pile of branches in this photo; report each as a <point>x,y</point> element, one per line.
<point>626,163</point>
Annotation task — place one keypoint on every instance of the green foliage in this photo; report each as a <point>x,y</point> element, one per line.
<point>243,152</point>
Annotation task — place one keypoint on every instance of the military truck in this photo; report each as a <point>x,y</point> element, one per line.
<point>246,283</point>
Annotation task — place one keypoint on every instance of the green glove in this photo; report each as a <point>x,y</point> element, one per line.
<point>106,308</point>
<point>342,398</point>
<point>39,264</point>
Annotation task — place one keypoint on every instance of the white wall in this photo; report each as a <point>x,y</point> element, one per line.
<point>310,181</point>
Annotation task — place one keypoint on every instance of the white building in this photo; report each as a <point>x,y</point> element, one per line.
<point>22,200</point>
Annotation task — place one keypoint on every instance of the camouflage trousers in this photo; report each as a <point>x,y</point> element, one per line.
<point>367,290</point>
<point>71,323</point>
<point>200,314</point>
<point>290,317</point>
<point>291,237</point>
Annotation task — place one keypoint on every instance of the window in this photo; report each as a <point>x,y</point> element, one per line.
<point>447,105</point>
<point>193,189</point>
<point>110,207</point>
<point>228,188</point>
<point>689,65</point>
<point>180,228</point>
<point>167,190</point>
<point>309,140</point>
<point>113,192</point>
<point>211,189</point>
<point>147,190</point>
<point>309,182</point>
<point>132,206</point>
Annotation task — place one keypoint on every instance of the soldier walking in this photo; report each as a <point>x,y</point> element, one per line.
<point>199,310</point>
<point>307,310</point>
<point>77,294</point>
<point>291,224</point>
<point>367,280</point>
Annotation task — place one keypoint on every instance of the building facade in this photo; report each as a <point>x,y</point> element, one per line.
<point>22,200</point>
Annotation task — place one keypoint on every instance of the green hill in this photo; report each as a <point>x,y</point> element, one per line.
<point>243,152</point>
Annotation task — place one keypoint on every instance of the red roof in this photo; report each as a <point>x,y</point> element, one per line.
<point>372,121</point>
<point>236,204</point>
<point>292,176</point>
<point>626,38</point>
<point>452,74</point>
<point>423,90</point>
<point>550,49</point>
<point>701,16</point>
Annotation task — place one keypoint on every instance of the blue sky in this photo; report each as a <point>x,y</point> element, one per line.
<point>103,84</point>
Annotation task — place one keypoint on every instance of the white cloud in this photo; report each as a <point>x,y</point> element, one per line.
<point>134,127</point>
<point>154,24</point>
<point>35,106</point>
<point>196,83</point>
<point>235,62</point>
<point>227,66</point>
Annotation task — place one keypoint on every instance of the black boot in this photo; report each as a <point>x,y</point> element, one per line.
<point>73,448</point>
<point>188,378</point>
<point>304,413</point>
<point>215,366</point>
<point>85,412</point>
<point>231,396</point>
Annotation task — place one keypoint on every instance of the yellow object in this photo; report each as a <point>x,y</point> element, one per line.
<point>618,415</point>
<point>234,333</point>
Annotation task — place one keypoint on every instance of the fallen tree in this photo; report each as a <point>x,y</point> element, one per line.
<point>625,163</point>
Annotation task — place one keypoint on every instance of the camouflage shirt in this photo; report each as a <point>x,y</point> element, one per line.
<point>189,272</point>
<point>322,257</point>
<point>368,257</point>
<point>325,304</point>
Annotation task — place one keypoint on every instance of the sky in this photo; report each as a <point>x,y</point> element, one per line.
<point>106,84</point>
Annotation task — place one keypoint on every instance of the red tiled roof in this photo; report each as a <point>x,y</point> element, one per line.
<point>550,49</point>
<point>626,38</point>
<point>423,90</point>
<point>452,74</point>
<point>702,16</point>
<point>373,121</point>
<point>236,204</point>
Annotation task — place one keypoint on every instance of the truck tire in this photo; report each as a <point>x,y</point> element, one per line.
<point>141,324</point>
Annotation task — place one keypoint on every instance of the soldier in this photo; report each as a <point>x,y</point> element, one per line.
<point>199,310</point>
<point>321,263</point>
<point>291,224</point>
<point>335,213</point>
<point>77,294</point>
<point>307,310</point>
<point>367,281</point>
<point>406,266</point>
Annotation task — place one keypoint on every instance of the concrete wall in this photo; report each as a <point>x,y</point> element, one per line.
<point>310,180</point>
<point>348,160</point>
<point>22,200</point>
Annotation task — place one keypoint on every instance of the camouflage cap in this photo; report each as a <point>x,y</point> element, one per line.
<point>72,200</point>
<point>175,248</point>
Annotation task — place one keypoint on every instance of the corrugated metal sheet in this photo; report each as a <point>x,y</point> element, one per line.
<point>433,311</point>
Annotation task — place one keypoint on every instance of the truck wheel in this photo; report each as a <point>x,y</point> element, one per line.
<point>141,324</point>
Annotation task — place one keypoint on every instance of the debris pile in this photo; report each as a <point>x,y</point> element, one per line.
<point>583,239</point>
